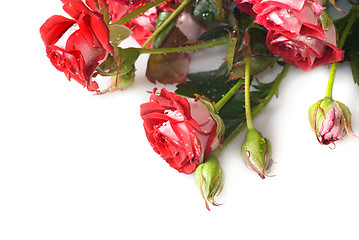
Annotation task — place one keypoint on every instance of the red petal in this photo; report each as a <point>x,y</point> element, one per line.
<point>54,27</point>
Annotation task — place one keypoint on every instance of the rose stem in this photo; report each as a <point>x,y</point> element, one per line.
<point>247,100</point>
<point>228,96</point>
<point>166,22</point>
<point>137,12</point>
<point>255,111</point>
<point>183,48</point>
<point>344,35</point>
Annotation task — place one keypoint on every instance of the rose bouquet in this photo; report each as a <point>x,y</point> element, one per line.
<point>189,128</point>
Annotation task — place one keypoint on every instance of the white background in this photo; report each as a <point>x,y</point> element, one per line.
<point>78,166</point>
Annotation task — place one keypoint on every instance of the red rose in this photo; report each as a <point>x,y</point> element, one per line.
<point>78,60</point>
<point>300,17</point>
<point>303,51</point>
<point>182,130</point>
<point>76,46</point>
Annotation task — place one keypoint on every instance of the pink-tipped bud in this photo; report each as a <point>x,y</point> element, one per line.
<point>330,120</point>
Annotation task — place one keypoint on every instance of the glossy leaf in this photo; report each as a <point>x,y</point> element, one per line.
<point>258,41</point>
<point>205,84</point>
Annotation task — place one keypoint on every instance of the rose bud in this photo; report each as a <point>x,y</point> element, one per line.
<point>209,179</point>
<point>330,120</point>
<point>184,131</point>
<point>257,152</point>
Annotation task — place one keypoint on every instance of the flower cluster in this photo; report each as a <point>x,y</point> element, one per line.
<point>189,128</point>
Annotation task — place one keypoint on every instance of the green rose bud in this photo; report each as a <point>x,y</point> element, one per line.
<point>330,120</point>
<point>209,179</point>
<point>257,152</point>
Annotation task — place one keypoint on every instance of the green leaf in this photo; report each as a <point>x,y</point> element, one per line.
<point>205,84</point>
<point>163,34</point>
<point>231,49</point>
<point>120,63</point>
<point>121,68</point>
<point>216,32</point>
<point>258,41</point>
<point>168,68</point>
<point>259,64</point>
<point>244,20</point>
<point>326,20</point>
<point>118,33</point>
<point>128,58</point>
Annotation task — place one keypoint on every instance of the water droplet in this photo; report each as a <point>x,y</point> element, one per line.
<point>207,15</point>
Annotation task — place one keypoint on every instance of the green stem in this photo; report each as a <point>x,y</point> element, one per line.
<point>344,35</point>
<point>168,21</point>
<point>255,111</point>
<point>137,12</point>
<point>247,100</point>
<point>208,44</point>
<point>329,90</point>
<point>228,96</point>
